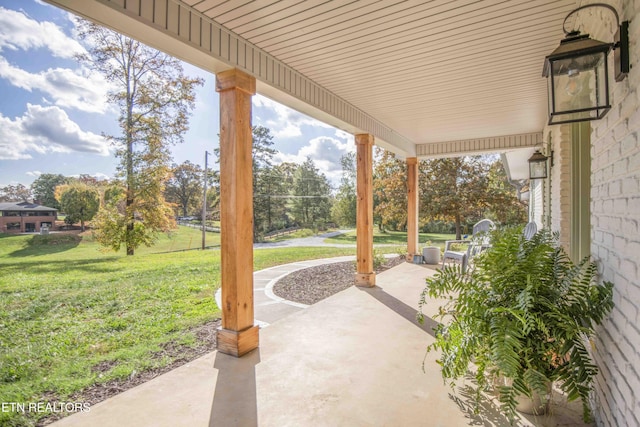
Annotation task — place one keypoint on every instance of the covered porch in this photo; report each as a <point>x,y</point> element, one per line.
<point>355,358</point>
<point>424,80</point>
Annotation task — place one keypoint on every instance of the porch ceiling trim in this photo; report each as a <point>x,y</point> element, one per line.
<point>478,146</point>
<point>184,32</point>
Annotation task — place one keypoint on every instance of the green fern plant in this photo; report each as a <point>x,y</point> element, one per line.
<point>523,312</point>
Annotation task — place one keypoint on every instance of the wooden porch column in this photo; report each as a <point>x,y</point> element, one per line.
<point>364,211</point>
<point>412,207</point>
<point>237,335</point>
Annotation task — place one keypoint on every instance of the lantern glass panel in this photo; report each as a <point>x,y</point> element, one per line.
<point>537,170</point>
<point>579,88</point>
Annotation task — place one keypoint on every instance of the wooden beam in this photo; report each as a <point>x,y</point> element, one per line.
<point>364,211</point>
<point>412,207</point>
<point>237,335</point>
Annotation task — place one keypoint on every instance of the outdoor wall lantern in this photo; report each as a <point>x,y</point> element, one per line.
<point>538,165</point>
<point>577,72</point>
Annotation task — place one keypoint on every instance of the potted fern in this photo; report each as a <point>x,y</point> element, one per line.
<point>524,313</point>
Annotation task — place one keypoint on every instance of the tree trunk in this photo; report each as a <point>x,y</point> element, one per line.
<point>269,205</point>
<point>130,215</point>
<point>129,233</point>
<point>458,227</point>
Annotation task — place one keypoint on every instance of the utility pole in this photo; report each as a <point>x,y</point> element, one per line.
<point>204,200</point>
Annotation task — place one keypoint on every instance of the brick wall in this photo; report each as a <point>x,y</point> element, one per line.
<point>560,203</point>
<point>615,230</point>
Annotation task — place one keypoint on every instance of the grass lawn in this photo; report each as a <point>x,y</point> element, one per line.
<point>67,308</point>
<point>394,238</point>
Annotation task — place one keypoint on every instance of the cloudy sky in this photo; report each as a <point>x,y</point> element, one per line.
<point>53,111</point>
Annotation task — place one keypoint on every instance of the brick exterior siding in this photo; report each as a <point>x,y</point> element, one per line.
<point>35,220</point>
<point>615,226</point>
<point>615,221</point>
<point>560,203</point>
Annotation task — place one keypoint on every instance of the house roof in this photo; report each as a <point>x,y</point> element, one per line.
<point>426,78</point>
<point>24,206</point>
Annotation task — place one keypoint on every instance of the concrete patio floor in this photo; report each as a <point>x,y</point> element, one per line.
<point>354,359</point>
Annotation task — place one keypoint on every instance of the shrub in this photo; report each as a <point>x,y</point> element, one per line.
<point>523,312</point>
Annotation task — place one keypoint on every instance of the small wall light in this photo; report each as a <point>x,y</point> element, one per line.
<point>577,72</point>
<point>538,165</point>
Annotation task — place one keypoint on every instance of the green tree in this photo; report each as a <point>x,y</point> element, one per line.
<point>80,202</point>
<point>152,213</point>
<point>389,191</point>
<point>44,188</point>
<point>15,193</point>
<point>113,192</point>
<point>262,149</point>
<point>270,200</point>
<point>155,99</point>
<point>184,188</point>
<point>343,211</point>
<point>89,180</point>
<point>454,189</point>
<point>503,201</point>
<point>287,171</point>
<point>267,182</point>
<point>213,195</point>
<point>311,204</point>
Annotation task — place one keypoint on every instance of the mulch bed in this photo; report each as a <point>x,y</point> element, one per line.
<point>313,284</point>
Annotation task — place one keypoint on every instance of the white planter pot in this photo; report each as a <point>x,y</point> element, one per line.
<point>431,255</point>
<point>536,405</point>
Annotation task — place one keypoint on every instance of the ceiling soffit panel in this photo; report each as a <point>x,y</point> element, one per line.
<point>439,70</point>
<point>176,28</point>
<point>479,145</point>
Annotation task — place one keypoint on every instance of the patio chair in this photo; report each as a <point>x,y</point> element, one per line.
<point>530,230</point>
<point>477,243</point>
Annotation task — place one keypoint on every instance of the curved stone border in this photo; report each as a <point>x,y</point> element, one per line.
<point>268,288</point>
<point>258,283</point>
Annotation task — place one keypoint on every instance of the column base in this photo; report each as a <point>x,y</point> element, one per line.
<point>366,280</point>
<point>237,343</point>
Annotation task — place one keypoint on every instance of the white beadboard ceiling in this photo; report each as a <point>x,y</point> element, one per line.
<point>438,70</point>
<point>410,72</point>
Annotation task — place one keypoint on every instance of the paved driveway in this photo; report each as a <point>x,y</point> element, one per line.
<point>307,241</point>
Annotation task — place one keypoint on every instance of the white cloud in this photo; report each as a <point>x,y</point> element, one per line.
<point>98,175</point>
<point>346,136</point>
<point>79,89</point>
<point>34,173</point>
<point>325,152</point>
<point>46,130</point>
<point>20,32</point>
<point>288,122</point>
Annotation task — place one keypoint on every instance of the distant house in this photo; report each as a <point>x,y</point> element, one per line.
<point>25,217</point>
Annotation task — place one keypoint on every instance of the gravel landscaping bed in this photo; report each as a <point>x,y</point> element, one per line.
<point>313,284</point>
